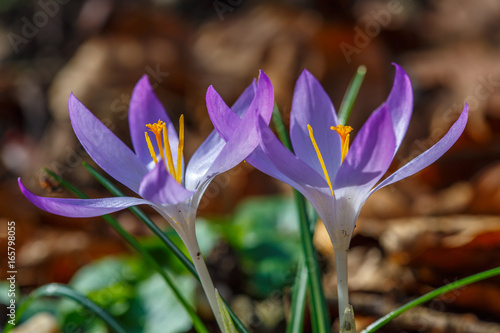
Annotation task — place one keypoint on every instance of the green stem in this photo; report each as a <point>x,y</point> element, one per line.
<point>197,323</point>
<point>351,94</point>
<point>429,296</point>
<point>55,289</point>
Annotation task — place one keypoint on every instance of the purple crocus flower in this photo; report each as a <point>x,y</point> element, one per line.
<point>335,178</point>
<point>155,169</point>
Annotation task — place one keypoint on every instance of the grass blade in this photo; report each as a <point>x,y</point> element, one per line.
<point>351,94</point>
<point>297,307</point>
<point>429,296</point>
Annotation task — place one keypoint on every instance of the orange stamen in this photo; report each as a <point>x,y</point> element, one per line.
<point>170,161</point>
<point>180,149</point>
<point>166,154</point>
<point>343,131</point>
<point>156,129</point>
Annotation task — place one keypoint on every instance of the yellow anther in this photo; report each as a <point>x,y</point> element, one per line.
<point>151,149</point>
<point>168,151</point>
<point>166,155</point>
<point>156,129</point>
<point>343,131</point>
<point>180,149</point>
<point>320,158</point>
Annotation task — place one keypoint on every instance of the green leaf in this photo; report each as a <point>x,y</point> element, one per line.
<point>107,272</point>
<point>162,313</point>
<point>264,234</point>
<point>55,289</point>
<point>141,300</point>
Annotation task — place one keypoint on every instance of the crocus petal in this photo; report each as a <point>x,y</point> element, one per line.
<point>400,104</point>
<point>312,106</point>
<point>160,187</point>
<point>370,155</point>
<point>208,151</point>
<point>272,158</point>
<point>243,102</point>
<point>145,108</point>
<point>109,152</point>
<point>340,218</point>
<point>202,159</point>
<point>240,134</point>
<point>222,117</point>
<point>319,196</point>
<point>81,207</point>
<point>240,144</point>
<point>263,102</point>
<point>226,121</point>
<point>430,155</point>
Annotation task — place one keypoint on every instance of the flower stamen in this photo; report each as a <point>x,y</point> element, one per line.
<point>150,147</point>
<point>170,160</point>
<point>320,157</point>
<point>180,148</point>
<point>343,131</point>
<point>166,155</point>
<point>156,128</point>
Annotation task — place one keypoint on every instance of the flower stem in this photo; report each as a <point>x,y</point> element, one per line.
<point>205,279</point>
<point>346,315</point>
<point>164,238</point>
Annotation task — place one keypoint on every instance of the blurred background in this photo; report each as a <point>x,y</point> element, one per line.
<point>438,226</point>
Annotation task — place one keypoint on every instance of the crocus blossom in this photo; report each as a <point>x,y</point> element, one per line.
<point>173,193</point>
<point>335,178</point>
<point>155,169</point>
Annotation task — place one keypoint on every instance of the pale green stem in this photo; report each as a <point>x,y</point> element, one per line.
<point>207,284</point>
<point>205,279</point>
<point>343,290</point>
